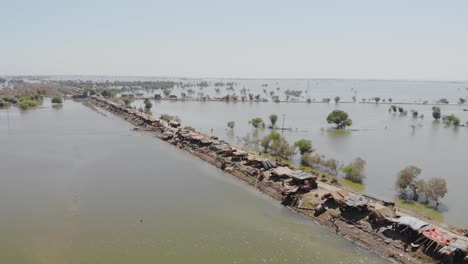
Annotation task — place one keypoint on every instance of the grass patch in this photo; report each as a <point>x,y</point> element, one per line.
<point>354,186</point>
<point>419,208</point>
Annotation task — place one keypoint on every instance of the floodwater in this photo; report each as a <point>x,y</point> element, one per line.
<point>387,141</point>
<point>80,187</point>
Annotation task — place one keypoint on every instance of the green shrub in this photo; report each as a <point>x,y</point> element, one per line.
<point>57,100</point>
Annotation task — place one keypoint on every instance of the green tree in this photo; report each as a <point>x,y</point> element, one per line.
<point>355,170</point>
<point>148,105</point>
<point>407,179</point>
<point>167,92</point>
<point>436,112</point>
<point>273,119</point>
<point>106,93</point>
<point>268,139</point>
<point>337,99</point>
<point>256,122</point>
<point>128,102</point>
<point>304,145</point>
<point>377,99</point>
<point>57,100</point>
<point>231,124</point>
<point>340,118</point>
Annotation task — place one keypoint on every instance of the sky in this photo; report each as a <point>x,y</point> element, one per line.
<point>359,39</point>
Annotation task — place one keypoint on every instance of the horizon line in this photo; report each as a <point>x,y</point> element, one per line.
<point>235,78</point>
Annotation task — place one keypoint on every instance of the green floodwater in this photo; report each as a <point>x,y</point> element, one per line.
<point>80,187</point>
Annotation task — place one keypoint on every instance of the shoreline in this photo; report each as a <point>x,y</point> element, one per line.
<point>358,230</point>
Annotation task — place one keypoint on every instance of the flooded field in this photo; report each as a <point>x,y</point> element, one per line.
<point>80,187</point>
<point>387,141</point>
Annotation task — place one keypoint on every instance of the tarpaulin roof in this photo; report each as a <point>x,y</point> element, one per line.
<point>282,171</point>
<point>459,245</point>
<point>268,164</point>
<point>409,221</point>
<point>355,200</point>
<point>338,196</point>
<point>301,175</point>
<point>309,201</point>
<point>437,235</point>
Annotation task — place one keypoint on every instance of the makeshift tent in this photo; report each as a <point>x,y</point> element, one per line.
<point>282,171</point>
<point>339,196</point>
<point>408,221</point>
<point>382,213</point>
<point>268,164</point>
<point>354,200</point>
<point>309,201</point>
<point>301,175</point>
<point>437,235</point>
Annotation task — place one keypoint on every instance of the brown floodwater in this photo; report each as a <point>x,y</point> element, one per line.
<point>80,187</point>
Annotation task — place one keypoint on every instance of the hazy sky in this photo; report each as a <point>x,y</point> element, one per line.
<point>393,39</point>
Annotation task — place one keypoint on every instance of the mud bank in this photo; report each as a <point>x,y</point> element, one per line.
<point>372,223</point>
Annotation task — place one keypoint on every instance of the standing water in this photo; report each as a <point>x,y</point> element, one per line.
<point>80,187</point>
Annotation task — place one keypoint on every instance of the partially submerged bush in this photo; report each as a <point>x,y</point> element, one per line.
<point>26,103</point>
<point>304,146</point>
<point>257,122</point>
<point>355,170</point>
<point>57,100</point>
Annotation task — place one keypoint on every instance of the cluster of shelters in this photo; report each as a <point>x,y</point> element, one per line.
<point>286,181</point>
<point>452,248</point>
<point>134,116</point>
<point>435,241</point>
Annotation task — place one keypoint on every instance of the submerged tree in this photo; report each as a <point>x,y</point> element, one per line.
<point>337,99</point>
<point>257,122</point>
<point>407,179</point>
<point>304,146</point>
<point>231,124</point>
<point>340,118</point>
<point>148,105</point>
<point>437,189</point>
<point>273,119</point>
<point>355,170</point>
<point>436,112</point>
